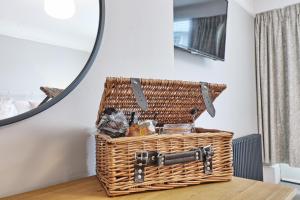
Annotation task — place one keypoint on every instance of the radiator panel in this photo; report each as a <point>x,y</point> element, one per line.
<point>247,157</point>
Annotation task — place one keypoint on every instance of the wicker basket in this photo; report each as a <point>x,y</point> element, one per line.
<point>135,164</point>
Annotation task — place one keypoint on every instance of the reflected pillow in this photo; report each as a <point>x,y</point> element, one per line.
<point>7,108</point>
<point>34,104</point>
<point>22,106</point>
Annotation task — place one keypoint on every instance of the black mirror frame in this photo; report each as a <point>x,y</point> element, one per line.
<point>77,80</point>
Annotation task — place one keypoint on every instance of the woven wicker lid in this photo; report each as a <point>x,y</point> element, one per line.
<point>169,102</point>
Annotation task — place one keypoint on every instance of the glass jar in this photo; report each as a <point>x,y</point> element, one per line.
<point>177,128</point>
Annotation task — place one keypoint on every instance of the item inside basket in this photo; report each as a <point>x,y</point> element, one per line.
<point>115,124</point>
<point>177,128</point>
<point>142,128</point>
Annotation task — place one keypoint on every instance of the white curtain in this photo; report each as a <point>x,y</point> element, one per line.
<point>277,35</point>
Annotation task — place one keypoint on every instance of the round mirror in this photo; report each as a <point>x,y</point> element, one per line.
<point>46,48</point>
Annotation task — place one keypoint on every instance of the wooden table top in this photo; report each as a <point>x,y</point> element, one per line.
<point>237,189</point>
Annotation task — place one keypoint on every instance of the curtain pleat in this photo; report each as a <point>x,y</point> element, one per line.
<point>208,35</point>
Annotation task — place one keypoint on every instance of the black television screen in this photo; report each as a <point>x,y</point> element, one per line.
<point>200,27</point>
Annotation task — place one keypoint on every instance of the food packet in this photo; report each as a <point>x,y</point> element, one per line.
<point>113,123</point>
<point>142,128</point>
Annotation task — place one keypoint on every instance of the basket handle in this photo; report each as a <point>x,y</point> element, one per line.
<point>154,158</point>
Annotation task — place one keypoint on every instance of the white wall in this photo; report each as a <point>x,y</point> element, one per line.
<point>236,107</point>
<point>26,65</point>
<point>248,5</point>
<point>257,6</point>
<point>265,5</point>
<point>56,145</point>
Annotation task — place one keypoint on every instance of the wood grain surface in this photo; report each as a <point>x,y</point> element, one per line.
<point>237,189</point>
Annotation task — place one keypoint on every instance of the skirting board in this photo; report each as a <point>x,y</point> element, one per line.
<point>272,174</point>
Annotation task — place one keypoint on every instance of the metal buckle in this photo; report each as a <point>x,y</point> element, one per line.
<point>199,154</point>
<point>208,152</point>
<point>160,159</point>
<point>141,159</point>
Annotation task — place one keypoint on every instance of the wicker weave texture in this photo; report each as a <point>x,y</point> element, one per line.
<point>167,100</point>
<point>116,157</point>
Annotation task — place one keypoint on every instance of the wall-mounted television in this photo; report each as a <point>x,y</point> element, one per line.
<point>200,27</point>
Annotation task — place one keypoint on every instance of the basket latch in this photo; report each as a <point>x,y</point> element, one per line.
<point>143,159</point>
<point>153,158</point>
<point>208,152</point>
<point>207,99</point>
<point>139,94</point>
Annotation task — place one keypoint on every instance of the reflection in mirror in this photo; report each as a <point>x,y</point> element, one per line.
<point>200,27</point>
<point>44,45</point>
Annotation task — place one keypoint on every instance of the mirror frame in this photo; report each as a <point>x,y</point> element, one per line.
<point>74,83</point>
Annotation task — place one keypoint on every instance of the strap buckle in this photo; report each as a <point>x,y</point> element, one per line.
<point>141,159</point>
<point>208,152</point>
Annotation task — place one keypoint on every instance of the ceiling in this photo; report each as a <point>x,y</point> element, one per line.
<point>180,3</point>
<point>265,5</point>
<point>28,20</point>
<point>248,5</point>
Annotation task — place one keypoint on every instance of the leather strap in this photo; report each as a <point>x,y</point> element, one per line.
<point>207,100</point>
<point>139,94</point>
